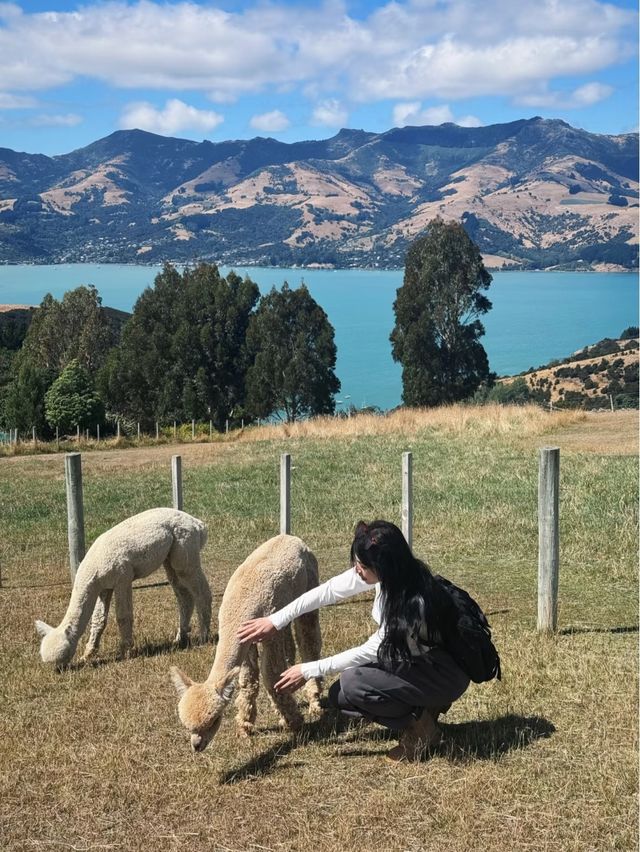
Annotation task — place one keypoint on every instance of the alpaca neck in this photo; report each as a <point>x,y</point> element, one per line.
<point>83,599</point>
<point>229,653</point>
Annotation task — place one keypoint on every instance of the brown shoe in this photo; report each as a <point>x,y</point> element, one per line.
<point>418,739</point>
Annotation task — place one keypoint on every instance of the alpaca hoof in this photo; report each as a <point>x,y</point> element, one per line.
<point>293,725</point>
<point>245,730</point>
<point>89,653</point>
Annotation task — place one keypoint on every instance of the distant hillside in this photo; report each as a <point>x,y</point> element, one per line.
<point>532,193</point>
<point>589,378</point>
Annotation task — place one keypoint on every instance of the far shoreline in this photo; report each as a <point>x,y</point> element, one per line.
<point>605,269</point>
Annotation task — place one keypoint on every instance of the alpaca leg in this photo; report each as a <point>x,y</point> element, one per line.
<point>289,645</point>
<point>184,600</point>
<point>124,613</point>
<point>309,639</point>
<point>246,700</point>
<point>272,664</point>
<point>184,558</point>
<point>98,623</point>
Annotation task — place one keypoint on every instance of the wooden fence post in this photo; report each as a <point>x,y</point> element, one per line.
<point>98,432</point>
<point>407,497</point>
<point>193,429</point>
<point>138,433</point>
<point>118,430</point>
<point>157,430</point>
<point>175,430</point>
<point>210,429</point>
<point>548,538</point>
<point>285,493</point>
<point>75,510</point>
<point>33,433</point>
<point>176,481</point>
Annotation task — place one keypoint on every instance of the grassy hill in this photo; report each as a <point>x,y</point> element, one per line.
<point>545,760</point>
<point>596,377</point>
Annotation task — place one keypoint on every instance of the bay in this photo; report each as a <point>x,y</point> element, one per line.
<point>536,316</point>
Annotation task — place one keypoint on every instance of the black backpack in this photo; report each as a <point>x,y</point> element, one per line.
<point>470,643</point>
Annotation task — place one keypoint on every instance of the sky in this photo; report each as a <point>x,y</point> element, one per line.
<point>73,72</point>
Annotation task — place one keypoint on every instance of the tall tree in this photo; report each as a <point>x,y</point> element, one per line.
<point>294,357</point>
<point>74,328</point>
<point>437,332</point>
<point>183,351</point>
<point>24,396</point>
<point>72,399</point>
<point>140,378</point>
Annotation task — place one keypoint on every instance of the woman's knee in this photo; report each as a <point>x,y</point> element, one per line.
<point>352,685</point>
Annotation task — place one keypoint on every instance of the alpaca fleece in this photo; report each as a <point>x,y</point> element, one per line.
<point>129,551</point>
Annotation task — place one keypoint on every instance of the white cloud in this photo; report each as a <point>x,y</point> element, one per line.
<point>330,113</point>
<point>175,117</point>
<point>270,122</point>
<point>412,114</point>
<point>47,120</point>
<point>454,69</point>
<point>8,101</point>
<point>583,96</point>
<point>404,50</point>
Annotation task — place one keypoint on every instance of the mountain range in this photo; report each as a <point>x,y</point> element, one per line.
<point>534,193</point>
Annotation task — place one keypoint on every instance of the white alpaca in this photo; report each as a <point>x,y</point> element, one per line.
<point>131,550</point>
<point>279,570</point>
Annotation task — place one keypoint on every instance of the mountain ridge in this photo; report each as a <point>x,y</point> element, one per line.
<point>533,193</point>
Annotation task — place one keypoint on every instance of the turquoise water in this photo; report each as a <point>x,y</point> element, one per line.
<point>536,316</point>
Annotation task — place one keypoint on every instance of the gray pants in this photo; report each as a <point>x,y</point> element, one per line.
<point>395,697</point>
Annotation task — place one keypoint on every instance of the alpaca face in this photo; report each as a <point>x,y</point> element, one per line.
<point>200,711</point>
<point>201,705</point>
<point>55,646</point>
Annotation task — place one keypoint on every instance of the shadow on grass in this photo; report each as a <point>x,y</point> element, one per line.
<point>572,631</point>
<point>488,739</point>
<point>463,743</point>
<point>147,649</point>
<point>492,738</point>
<point>320,730</point>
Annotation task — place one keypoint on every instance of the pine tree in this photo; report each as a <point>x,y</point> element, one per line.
<point>437,333</point>
<point>294,357</point>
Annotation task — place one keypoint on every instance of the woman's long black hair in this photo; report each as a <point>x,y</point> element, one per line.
<point>410,595</point>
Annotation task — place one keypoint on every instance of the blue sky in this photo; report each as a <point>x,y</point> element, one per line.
<point>73,72</point>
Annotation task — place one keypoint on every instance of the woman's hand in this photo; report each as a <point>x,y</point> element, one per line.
<point>290,680</point>
<point>256,630</point>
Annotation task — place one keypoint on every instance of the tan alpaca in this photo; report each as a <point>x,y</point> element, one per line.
<point>131,550</point>
<point>279,570</point>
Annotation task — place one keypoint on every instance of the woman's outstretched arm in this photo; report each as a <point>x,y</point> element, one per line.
<point>338,588</point>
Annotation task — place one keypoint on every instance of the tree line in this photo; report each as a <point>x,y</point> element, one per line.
<point>197,346</point>
<point>201,346</point>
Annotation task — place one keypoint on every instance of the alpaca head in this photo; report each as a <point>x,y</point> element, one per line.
<point>56,647</point>
<point>202,705</point>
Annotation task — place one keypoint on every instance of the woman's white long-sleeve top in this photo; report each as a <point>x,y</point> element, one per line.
<point>338,588</point>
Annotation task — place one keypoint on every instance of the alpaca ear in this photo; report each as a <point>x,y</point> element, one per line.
<point>180,680</point>
<point>43,629</point>
<point>226,685</point>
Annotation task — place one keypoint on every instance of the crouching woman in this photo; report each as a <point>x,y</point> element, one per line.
<point>401,677</point>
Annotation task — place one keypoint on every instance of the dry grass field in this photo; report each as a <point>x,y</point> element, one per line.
<point>94,758</point>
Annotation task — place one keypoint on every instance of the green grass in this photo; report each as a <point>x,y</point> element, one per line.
<point>544,760</point>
